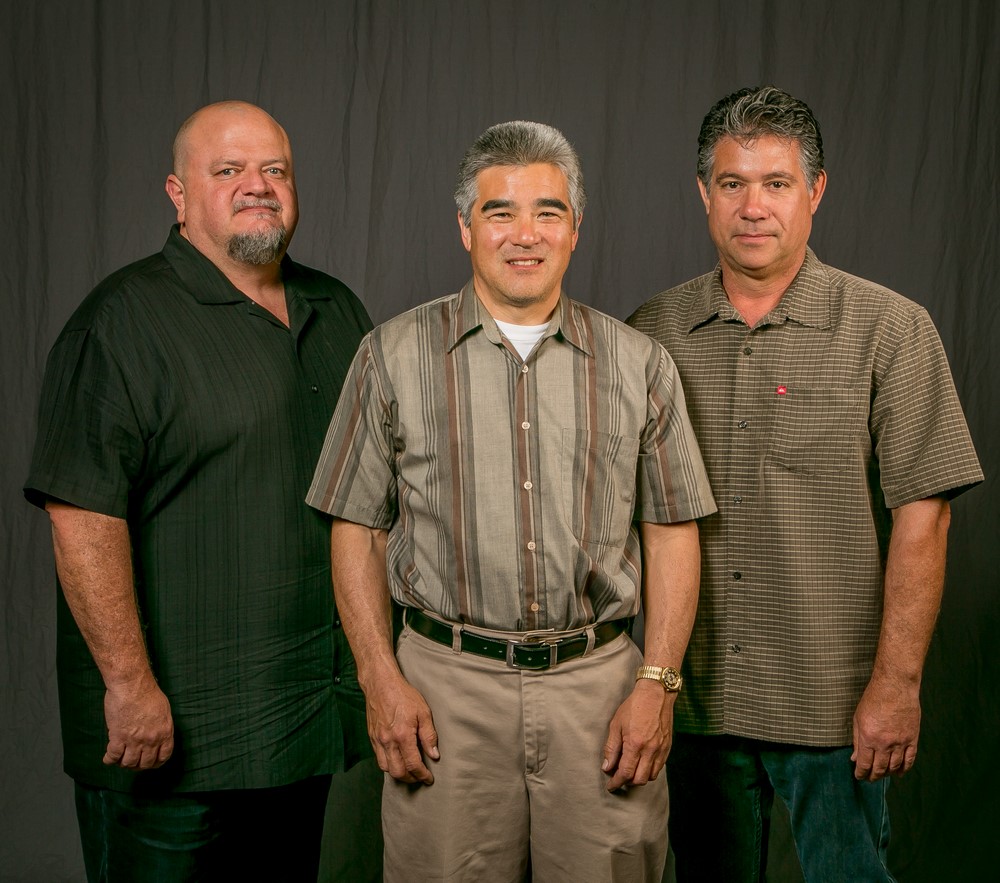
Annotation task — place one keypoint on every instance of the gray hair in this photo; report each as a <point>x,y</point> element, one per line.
<point>748,114</point>
<point>519,143</point>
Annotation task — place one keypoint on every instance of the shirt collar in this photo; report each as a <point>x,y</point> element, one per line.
<point>209,285</point>
<point>806,301</point>
<point>468,314</point>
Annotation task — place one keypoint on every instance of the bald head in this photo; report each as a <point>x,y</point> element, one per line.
<point>212,116</point>
<point>233,185</point>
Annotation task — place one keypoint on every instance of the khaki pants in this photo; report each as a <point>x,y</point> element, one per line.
<point>520,770</point>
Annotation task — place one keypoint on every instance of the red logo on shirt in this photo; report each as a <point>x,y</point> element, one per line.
<point>782,390</point>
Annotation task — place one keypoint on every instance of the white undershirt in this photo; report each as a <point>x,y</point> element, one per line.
<point>524,337</point>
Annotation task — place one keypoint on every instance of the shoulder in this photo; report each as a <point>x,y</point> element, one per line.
<point>671,307</point>
<point>868,304</point>
<point>399,331</point>
<point>136,282</point>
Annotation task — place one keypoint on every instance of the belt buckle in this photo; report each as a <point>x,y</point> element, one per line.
<point>553,654</point>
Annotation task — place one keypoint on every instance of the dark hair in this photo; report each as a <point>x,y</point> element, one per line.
<point>764,110</point>
<point>519,143</point>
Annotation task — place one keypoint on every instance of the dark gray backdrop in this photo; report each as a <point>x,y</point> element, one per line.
<point>380,100</point>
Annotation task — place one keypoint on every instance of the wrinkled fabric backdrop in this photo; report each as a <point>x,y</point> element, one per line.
<point>380,100</point>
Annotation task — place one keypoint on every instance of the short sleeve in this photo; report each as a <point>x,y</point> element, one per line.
<point>89,446</point>
<point>671,482</point>
<point>921,438</point>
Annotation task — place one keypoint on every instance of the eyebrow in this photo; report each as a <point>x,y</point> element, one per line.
<point>545,202</point>
<point>770,176</point>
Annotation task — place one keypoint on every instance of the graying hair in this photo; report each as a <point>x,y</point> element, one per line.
<point>258,247</point>
<point>748,114</point>
<point>519,143</point>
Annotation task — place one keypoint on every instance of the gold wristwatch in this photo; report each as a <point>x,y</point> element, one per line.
<point>669,677</point>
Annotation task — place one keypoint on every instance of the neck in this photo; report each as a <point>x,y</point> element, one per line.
<point>753,297</point>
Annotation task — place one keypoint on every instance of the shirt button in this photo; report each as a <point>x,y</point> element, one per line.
<point>526,425</point>
<point>736,648</point>
<point>336,679</point>
<point>524,369</point>
<point>743,424</point>
<point>535,608</point>
<point>747,350</point>
<point>531,546</point>
<point>737,575</point>
<point>528,485</point>
<point>336,623</point>
<point>737,499</point>
<point>314,388</point>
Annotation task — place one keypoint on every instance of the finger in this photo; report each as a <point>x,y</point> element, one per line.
<point>863,758</point>
<point>880,765</point>
<point>612,751</point>
<point>625,770</point>
<point>909,758</point>
<point>415,767</point>
<point>427,737</point>
<point>113,753</point>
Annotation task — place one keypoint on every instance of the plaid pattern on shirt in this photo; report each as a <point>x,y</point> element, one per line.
<point>838,406</point>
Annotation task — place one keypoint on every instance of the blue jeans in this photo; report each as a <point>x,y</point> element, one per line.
<point>253,834</point>
<point>721,791</point>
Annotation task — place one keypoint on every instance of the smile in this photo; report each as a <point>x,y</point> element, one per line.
<point>526,262</point>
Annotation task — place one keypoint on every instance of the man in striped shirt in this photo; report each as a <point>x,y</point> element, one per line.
<point>495,457</point>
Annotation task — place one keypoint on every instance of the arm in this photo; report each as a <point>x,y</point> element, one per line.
<point>399,720</point>
<point>887,719</point>
<point>94,563</point>
<point>641,731</point>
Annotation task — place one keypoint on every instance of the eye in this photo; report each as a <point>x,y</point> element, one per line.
<point>274,171</point>
<point>226,173</point>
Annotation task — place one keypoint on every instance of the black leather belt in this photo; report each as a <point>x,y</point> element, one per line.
<point>535,654</point>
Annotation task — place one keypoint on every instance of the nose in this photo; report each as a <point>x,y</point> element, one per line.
<point>255,182</point>
<point>753,206</point>
<point>525,231</point>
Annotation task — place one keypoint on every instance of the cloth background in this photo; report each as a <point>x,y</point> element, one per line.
<point>380,99</point>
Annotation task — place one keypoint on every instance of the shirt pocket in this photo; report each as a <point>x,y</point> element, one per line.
<point>818,430</point>
<point>598,492</point>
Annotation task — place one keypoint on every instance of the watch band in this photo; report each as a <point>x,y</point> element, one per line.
<point>670,678</point>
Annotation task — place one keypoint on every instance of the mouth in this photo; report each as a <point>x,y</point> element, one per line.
<point>525,262</point>
<point>258,206</point>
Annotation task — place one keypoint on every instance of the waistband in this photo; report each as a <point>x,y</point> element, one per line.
<point>536,651</point>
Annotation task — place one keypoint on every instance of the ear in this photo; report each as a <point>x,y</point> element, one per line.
<point>576,233</point>
<point>175,190</point>
<point>818,189</point>
<point>466,233</point>
<point>704,193</point>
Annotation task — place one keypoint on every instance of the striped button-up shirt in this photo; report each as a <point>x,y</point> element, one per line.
<point>837,407</point>
<point>510,488</point>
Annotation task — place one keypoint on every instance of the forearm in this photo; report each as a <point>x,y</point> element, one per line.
<point>94,562</point>
<point>671,574</point>
<point>640,733</point>
<point>914,581</point>
<point>361,589</point>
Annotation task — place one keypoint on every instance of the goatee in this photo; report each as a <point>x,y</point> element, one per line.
<point>258,247</point>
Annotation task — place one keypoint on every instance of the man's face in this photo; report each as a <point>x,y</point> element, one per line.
<point>520,238</point>
<point>234,188</point>
<point>760,207</point>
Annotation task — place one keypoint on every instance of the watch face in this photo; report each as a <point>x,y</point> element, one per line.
<point>672,679</point>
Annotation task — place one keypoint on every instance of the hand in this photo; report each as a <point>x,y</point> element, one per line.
<point>639,737</point>
<point>401,728</point>
<point>140,726</point>
<point>886,729</point>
